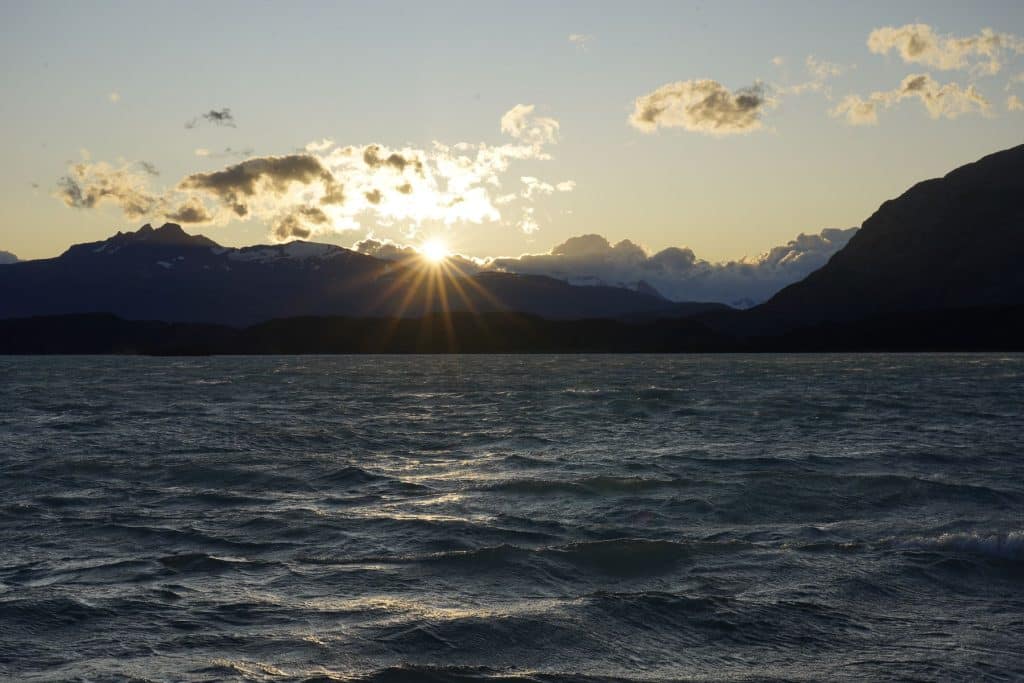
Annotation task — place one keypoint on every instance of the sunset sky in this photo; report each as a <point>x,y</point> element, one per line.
<point>503,129</point>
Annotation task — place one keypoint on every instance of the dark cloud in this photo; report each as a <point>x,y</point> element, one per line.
<point>216,117</point>
<point>676,272</point>
<point>190,211</point>
<point>148,168</point>
<point>238,183</point>
<point>298,224</point>
<point>7,257</point>
<point>701,106</point>
<point>373,159</point>
<point>373,197</point>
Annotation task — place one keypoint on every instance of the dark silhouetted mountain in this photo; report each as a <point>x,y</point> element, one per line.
<point>166,274</point>
<point>947,243</point>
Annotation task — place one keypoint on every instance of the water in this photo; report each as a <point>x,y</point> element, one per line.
<point>482,518</point>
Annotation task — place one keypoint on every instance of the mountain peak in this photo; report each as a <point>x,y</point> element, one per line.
<point>168,234</point>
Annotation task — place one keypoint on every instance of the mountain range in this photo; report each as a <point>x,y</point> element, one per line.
<point>166,274</point>
<point>937,267</point>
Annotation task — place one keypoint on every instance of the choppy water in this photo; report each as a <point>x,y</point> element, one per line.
<point>479,518</point>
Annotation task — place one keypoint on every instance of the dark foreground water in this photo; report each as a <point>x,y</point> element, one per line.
<point>512,518</point>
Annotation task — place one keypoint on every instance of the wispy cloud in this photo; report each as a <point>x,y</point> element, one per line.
<point>227,152</point>
<point>983,52</point>
<point>940,101</point>
<point>88,185</point>
<point>581,40</point>
<point>819,72</point>
<point>215,117</point>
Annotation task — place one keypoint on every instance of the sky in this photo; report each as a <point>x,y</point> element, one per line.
<point>725,128</point>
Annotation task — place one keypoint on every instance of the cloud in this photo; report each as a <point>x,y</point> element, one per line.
<point>384,249</point>
<point>820,73</point>
<point>299,223</point>
<point>520,123</point>
<point>1013,103</point>
<point>148,167</point>
<point>676,272</point>
<point>822,70</point>
<point>216,117</point>
<point>88,185</point>
<point>941,101</point>
<point>192,210</point>
<point>919,44</point>
<point>236,185</point>
<point>700,106</point>
<point>373,157</point>
<point>778,61</point>
<point>327,188</point>
<point>7,257</point>
<point>581,40</point>
<point>321,145</point>
<point>227,152</point>
<point>114,97</point>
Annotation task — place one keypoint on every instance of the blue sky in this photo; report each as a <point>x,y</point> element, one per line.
<point>404,75</point>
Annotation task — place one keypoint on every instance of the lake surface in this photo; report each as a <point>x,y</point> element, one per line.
<point>483,518</point>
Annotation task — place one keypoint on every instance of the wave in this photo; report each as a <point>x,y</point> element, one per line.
<point>210,564</point>
<point>621,557</point>
<point>601,485</point>
<point>462,674</point>
<point>1008,546</point>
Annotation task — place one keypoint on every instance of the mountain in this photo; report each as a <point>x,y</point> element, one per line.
<point>948,243</point>
<point>7,257</point>
<point>166,274</point>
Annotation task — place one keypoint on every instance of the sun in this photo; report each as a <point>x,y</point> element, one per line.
<point>434,250</point>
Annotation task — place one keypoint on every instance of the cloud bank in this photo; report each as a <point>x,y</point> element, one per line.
<point>676,272</point>
<point>941,101</point>
<point>700,106</point>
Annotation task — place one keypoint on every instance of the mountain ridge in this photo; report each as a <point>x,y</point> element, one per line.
<point>165,273</point>
<point>947,242</point>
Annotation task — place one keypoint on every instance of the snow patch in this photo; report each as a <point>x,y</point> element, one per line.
<point>295,251</point>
